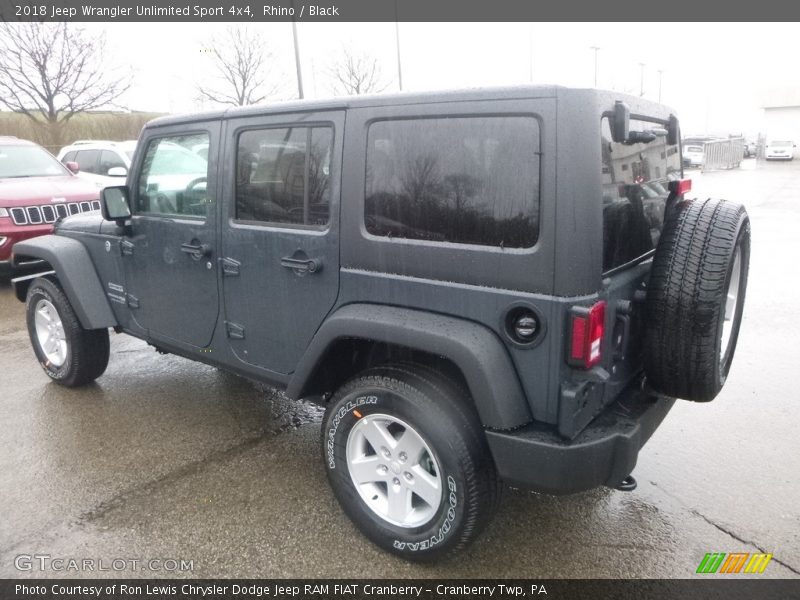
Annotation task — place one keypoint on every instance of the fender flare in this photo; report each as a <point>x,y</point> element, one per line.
<point>475,350</point>
<point>76,274</point>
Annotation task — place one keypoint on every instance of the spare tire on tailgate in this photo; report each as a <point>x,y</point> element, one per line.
<point>695,298</point>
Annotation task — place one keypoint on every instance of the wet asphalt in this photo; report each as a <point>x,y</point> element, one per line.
<point>163,458</point>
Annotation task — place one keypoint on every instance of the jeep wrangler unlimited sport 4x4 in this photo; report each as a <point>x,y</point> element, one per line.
<point>482,286</point>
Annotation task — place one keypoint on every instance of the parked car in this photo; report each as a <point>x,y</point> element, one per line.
<point>35,191</point>
<point>693,155</point>
<point>779,150</point>
<point>479,286</point>
<point>103,162</point>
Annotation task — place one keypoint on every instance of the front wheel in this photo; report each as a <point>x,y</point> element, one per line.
<point>69,354</point>
<point>408,461</point>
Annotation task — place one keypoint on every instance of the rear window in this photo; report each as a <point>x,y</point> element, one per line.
<point>694,149</point>
<point>635,178</point>
<point>466,180</point>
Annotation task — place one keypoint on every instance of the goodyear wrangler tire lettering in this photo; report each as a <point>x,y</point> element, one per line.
<point>349,407</point>
<point>443,530</point>
<point>407,399</point>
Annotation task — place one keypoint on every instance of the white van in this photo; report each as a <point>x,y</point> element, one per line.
<point>779,150</point>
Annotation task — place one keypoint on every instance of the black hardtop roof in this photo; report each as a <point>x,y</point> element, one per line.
<point>344,102</point>
<point>400,99</point>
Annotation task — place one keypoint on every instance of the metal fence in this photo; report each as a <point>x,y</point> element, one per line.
<point>723,154</point>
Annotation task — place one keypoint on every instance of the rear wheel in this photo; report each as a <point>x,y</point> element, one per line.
<point>695,298</point>
<point>408,461</point>
<point>69,354</point>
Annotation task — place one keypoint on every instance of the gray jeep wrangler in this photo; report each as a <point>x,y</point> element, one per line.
<point>481,286</point>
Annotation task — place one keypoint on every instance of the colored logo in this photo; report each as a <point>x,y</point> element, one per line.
<point>735,562</point>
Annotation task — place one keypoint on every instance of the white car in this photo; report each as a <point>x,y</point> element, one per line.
<point>693,155</point>
<point>779,150</point>
<point>103,162</point>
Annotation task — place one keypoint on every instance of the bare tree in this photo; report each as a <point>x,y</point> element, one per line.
<point>243,63</point>
<point>50,72</point>
<point>356,73</point>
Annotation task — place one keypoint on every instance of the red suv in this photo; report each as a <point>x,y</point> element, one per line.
<point>35,191</point>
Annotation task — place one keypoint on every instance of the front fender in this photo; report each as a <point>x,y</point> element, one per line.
<point>475,350</point>
<point>76,274</point>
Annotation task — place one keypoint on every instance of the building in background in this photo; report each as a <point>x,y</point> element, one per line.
<point>782,114</point>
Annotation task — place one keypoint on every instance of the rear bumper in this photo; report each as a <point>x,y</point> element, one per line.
<point>536,457</point>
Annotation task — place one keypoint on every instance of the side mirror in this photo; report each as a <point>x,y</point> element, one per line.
<point>72,166</point>
<point>622,122</point>
<point>117,172</point>
<point>114,204</point>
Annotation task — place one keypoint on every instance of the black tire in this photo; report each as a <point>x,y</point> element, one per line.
<point>87,350</point>
<point>686,298</point>
<point>438,410</point>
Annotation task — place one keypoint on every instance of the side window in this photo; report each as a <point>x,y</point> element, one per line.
<point>69,157</point>
<point>173,177</point>
<point>469,180</point>
<point>110,159</point>
<point>87,160</point>
<point>283,175</point>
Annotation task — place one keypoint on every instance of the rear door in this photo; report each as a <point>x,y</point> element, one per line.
<point>280,238</point>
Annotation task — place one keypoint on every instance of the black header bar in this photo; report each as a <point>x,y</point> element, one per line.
<point>700,587</point>
<point>403,10</point>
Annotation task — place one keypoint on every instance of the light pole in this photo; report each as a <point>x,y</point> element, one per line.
<point>641,79</point>
<point>297,60</point>
<point>399,68</point>
<point>530,52</point>
<point>596,50</point>
<point>660,75</point>
<point>397,45</point>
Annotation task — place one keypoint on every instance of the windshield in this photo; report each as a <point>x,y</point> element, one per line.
<point>28,161</point>
<point>694,149</point>
<point>780,144</point>
<point>635,178</point>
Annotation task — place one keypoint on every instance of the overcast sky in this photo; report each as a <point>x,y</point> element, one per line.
<point>715,75</point>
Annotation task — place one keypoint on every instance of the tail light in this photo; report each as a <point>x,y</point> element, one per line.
<point>587,328</point>
<point>680,186</point>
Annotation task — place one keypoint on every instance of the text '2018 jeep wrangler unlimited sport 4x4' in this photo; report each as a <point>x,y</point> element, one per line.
<point>482,286</point>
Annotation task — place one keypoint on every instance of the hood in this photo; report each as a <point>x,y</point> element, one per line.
<point>91,222</point>
<point>25,191</point>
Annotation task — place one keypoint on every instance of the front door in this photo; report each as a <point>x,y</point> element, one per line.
<point>170,254</point>
<point>280,242</point>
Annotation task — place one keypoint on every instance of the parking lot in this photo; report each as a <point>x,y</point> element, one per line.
<point>164,458</point>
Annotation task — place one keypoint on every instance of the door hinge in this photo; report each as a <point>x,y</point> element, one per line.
<point>230,267</point>
<point>235,331</point>
<point>126,248</point>
<point>133,301</point>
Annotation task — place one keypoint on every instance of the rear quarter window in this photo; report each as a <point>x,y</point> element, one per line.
<point>466,180</point>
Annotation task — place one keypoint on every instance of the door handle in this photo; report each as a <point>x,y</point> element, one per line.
<point>196,251</point>
<point>302,265</point>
